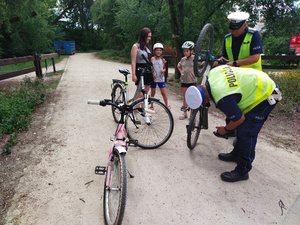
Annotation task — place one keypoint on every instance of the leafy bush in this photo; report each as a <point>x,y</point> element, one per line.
<point>113,55</point>
<point>289,85</point>
<point>276,45</point>
<point>17,104</point>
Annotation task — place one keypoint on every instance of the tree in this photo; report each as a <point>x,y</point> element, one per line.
<point>103,15</point>
<point>26,29</point>
<point>74,18</point>
<point>281,20</point>
<point>132,16</point>
<point>189,17</point>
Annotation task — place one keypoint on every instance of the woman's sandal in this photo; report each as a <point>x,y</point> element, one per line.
<point>183,116</point>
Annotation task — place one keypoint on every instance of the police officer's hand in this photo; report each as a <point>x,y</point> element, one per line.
<point>230,64</point>
<point>221,130</point>
<point>215,64</point>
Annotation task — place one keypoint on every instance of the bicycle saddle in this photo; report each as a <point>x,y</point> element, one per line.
<point>124,71</point>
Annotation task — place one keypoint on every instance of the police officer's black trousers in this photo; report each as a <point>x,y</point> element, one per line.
<point>247,134</point>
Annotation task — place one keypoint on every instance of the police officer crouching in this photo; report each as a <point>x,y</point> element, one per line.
<point>246,96</point>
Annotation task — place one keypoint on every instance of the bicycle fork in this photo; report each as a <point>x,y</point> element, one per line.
<point>118,145</point>
<point>146,105</point>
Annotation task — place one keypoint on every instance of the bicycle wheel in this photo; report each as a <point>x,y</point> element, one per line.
<point>194,128</point>
<point>151,130</point>
<point>117,96</point>
<point>204,46</point>
<point>114,200</point>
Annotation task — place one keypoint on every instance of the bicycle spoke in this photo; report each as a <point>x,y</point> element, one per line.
<point>151,129</point>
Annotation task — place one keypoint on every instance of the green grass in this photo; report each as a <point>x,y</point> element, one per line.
<point>17,104</point>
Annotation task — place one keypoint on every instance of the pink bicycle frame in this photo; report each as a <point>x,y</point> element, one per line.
<point>119,144</point>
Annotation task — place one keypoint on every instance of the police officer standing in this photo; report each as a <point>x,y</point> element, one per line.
<point>242,46</point>
<point>246,96</point>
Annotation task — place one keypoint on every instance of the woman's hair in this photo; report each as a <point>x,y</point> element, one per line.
<point>142,38</point>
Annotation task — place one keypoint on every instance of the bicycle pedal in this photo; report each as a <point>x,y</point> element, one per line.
<point>113,138</point>
<point>132,143</point>
<point>100,170</point>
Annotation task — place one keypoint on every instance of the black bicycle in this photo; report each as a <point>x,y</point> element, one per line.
<point>203,62</point>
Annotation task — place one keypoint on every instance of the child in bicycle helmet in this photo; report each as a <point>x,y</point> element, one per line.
<point>187,78</point>
<point>159,69</point>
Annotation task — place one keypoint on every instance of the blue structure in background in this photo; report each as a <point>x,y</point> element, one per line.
<point>65,47</point>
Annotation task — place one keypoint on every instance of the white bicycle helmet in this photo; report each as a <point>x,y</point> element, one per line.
<point>158,45</point>
<point>188,45</point>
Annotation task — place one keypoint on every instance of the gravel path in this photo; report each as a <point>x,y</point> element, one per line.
<point>172,185</point>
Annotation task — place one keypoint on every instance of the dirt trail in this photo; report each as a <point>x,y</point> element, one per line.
<point>172,185</point>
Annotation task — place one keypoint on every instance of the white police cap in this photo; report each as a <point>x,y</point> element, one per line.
<point>194,97</point>
<point>238,17</point>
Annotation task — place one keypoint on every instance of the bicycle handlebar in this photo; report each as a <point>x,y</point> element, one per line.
<point>222,61</point>
<point>212,58</point>
<point>103,103</point>
<point>120,107</point>
<point>93,102</point>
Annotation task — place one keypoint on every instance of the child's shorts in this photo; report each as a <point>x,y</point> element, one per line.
<point>160,84</point>
<point>188,84</point>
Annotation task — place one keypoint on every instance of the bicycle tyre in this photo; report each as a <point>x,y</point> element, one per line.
<point>204,45</point>
<point>157,132</point>
<point>117,95</point>
<point>194,128</point>
<point>114,199</point>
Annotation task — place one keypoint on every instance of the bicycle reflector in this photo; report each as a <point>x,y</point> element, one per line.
<point>194,97</point>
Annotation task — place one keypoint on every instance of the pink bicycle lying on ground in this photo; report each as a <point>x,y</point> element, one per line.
<point>115,186</point>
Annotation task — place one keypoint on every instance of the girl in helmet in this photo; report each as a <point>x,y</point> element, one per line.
<point>159,69</point>
<point>187,78</point>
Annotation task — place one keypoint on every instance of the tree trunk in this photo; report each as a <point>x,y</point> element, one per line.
<point>175,32</point>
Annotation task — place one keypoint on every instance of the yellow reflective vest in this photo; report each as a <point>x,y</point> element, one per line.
<point>254,86</point>
<point>244,50</point>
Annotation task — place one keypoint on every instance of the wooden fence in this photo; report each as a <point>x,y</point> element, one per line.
<point>36,58</point>
<point>284,58</point>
